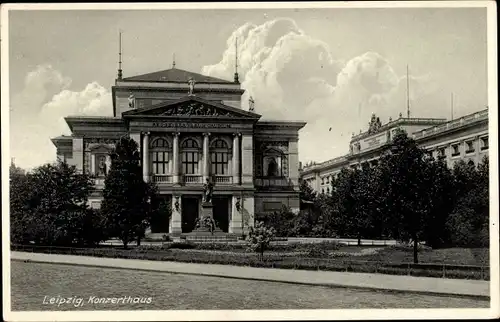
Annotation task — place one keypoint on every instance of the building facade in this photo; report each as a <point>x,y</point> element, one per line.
<point>465,138</point>
<point>190,128</point>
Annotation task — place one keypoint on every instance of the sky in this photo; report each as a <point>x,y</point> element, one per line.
<point>330,67</point>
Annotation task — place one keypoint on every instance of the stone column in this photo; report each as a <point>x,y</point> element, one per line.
<point>145,156</point>
<point>175,158</point>
<point>175,225</point>
<point>236,159</point>
<point>247,160</point>
<point>235,224</point>
<point>78,152</point>
<point>293,163</point>
<point>92,164</point>
<point>206,156</point>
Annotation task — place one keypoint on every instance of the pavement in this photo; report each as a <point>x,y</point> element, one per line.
<point>424,285</point>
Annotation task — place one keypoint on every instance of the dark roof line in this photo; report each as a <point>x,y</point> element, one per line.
<point>176,75</point>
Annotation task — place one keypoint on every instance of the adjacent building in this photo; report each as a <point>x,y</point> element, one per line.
<point>465,138</point>
<point>189,128</point>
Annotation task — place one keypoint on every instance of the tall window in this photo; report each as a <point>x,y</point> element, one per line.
<point>219,157</point>
<point>159,156</point>
<point>455,149</point>
<point>470,146</point>
<point>484,142</point>
<point>190,154</point>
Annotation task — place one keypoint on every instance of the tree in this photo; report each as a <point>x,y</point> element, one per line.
<point>406,198</point>
<point>441,202</point>
<point>469,222</point>
<point>49,203</point>
<point>344,201</point>
<point>126,204</point>
<point>306,192</point>
<point>20,214</point>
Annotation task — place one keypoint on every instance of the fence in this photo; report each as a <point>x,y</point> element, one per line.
<point>285,260</point>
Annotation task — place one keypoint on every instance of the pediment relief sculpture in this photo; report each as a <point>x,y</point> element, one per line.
<point>197,109</point>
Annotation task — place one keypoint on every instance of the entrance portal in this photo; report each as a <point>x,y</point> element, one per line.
<point>159,218</point>
<point>221,212</point>
<point>190,212</point>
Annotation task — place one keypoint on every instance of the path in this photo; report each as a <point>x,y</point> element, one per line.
<point>427,285</point>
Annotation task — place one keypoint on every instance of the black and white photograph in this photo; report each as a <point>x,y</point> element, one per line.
<point>249,161</point>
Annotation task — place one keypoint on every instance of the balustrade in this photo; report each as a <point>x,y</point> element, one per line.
<point>192,178</point>
<point>162,178</point>
<point>223,179</point>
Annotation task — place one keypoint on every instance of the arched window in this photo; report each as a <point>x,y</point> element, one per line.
<point>159,149</point>
<point>190,155</point>
<point>273,163</point>
<point>219,157</point>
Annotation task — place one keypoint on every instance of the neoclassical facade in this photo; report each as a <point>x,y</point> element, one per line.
<point>190,128</point>
<point>464,138</point>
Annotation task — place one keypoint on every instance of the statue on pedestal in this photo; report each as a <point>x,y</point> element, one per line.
<point>208,191</point>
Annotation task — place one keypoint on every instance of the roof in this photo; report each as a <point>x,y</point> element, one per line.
<point>176,75</point>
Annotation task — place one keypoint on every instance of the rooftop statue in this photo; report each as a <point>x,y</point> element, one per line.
<point>251,104</point>
<point>131,101</point>
<point>191,83</point>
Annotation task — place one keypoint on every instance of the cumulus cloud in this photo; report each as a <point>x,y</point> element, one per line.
<point>293,76</point>
<point>37,113</point>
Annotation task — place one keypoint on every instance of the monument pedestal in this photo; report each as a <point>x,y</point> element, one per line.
<point>207,225</point>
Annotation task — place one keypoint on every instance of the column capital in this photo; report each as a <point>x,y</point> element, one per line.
<point>146,133</point>
<point>237,134</point>
<point>205,134</point>
<point>176,134</point>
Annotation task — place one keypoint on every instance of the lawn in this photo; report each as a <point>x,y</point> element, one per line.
<point>31,282</point>
<point>328,256</point>
<point>454,256</point>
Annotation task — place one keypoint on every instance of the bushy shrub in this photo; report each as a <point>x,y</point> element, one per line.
<point>259,238</point>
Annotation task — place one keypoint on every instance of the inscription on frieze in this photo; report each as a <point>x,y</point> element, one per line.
<point>191,125</point>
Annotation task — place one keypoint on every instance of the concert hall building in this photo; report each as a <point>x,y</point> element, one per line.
<point>190,127</point>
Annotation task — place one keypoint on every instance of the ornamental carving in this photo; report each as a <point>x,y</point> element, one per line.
<point>196,109</point>
<point>277,145</point>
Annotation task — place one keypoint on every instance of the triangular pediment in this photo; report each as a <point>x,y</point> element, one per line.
<point>192,106</point>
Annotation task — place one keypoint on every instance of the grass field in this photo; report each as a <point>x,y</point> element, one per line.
<point>455,256</point>
<point>31,282</point>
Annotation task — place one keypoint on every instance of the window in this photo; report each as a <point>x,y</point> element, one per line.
<point>219,157</point>
<point>274,162</point>
<point>159,156</point>
<point>190,155</point>
<point>455,149</point>
<point>323,180</point>
<point>470,147</point>
<point>471,163</point>
<point>327,190</point>
<point>484,143</point>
